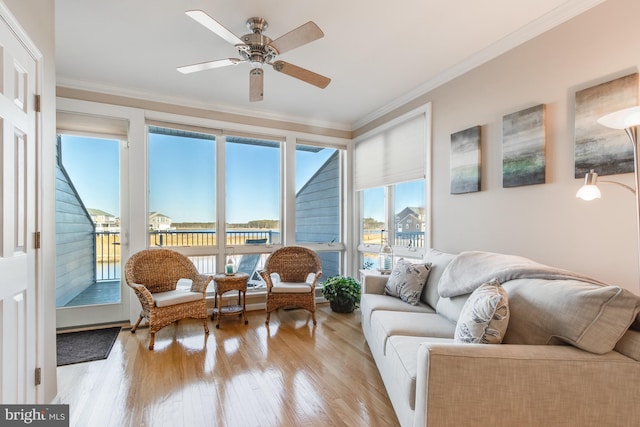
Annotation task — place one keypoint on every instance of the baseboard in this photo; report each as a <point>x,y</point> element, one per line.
<point>124,324</point>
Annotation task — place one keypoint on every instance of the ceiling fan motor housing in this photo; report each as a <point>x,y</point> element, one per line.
<point>256,50</point>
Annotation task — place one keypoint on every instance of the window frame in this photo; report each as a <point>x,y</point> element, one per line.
<point>221,251</point>
<point>389,202</point>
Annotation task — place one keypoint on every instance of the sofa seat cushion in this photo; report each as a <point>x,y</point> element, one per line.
<point>402,359</point>
<point>373,302</point>
<point>585,315</point>
<point>385,324</point>
<point>178,296</point>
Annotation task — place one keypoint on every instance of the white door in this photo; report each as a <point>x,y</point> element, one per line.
<point>18,214</point>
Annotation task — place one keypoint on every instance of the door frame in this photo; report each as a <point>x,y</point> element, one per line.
<point>100,314</point>
<point>34,388</point>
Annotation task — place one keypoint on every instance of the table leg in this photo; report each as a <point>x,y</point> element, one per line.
<point>219,311</point>
<point>244,307</point>
<point>215,305</point>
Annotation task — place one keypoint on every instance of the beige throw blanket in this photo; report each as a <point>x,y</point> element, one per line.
<point>469,270</point>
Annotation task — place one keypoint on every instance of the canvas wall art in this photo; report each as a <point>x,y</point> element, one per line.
<point>465,161</point>
<point>523,147</point>
<point>607,151</point>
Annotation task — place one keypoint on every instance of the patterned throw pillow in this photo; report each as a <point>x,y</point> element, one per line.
<point>485,315</point>
<point>407,280</point>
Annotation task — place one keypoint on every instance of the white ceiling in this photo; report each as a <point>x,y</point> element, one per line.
<point>378,53</point>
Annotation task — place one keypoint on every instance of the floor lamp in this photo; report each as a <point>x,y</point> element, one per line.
<point>627,119</point>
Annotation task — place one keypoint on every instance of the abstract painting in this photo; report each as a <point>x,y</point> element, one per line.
<point>607,151</point>
<point>523,144</point>
<point>465,161</point>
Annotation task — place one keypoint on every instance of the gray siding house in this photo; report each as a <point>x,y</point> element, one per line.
<point>318,212</point>
<point>75,239</point>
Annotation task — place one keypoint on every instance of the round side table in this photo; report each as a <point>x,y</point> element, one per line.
<point>224,283</point>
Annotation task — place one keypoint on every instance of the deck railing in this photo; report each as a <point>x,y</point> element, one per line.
<point>414,239</point>
<point>108,245</point>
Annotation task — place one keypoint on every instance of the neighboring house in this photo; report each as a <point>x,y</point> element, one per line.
<point>159,222</point>
<point>410,220</point>
<point>75,238</point>
<point>318,212</point>
<point>104,221</point>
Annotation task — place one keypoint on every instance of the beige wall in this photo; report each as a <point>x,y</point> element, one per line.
<point>37,19</point>
<point>544,222</point>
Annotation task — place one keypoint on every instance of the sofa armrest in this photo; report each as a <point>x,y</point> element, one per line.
<point>374,283</point>
<point>507,385</point>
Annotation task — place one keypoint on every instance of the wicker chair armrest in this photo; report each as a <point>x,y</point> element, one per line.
<point>267,279</point>
<point>315,280</point>
<point>144,295</point>
<point>200,283</point>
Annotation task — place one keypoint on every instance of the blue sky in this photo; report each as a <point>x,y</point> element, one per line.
<point>182,177</point>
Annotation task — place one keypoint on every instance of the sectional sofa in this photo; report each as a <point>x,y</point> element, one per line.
<point>569,356</point>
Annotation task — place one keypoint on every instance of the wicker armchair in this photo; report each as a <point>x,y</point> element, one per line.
<point>153,274</point>
<point>291,274</point>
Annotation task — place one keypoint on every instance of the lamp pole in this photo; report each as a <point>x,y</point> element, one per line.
<point>632,133</point>
<point>629,119</point>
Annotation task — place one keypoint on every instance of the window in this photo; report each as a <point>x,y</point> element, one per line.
<point>371,225</point>
<point>409,214</point>
<point>318,201</point>
<point>390,169</point>
<point>182,182</point>
<point>189,167</point>
<point>252,191</point>
<point>253,202</point>
<point>407,236</point>
<point>88,268</point>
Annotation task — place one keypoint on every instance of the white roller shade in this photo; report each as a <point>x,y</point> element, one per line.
<point>394,155</point>
<point>85,124</point>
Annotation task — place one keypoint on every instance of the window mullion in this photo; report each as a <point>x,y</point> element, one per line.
<point>221,213</point>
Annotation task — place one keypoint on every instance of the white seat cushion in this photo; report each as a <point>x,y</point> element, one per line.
<point>291,288</point>
<point>179,296</point>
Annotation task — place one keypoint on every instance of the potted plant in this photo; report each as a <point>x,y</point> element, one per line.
<point>343,293</point>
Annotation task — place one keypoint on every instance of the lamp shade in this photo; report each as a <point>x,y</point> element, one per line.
<point>622,119</point>
<point>589,191</point>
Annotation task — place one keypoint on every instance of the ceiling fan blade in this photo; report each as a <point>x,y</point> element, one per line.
<point>297,37</point>
<point>186,69</point>
<point>203,18</point>
<point>256,84</point>
<point>301,74</point>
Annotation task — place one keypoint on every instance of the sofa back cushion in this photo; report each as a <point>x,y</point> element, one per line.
<point>439,261</point>
<point>629,344</point>
<point>585,315</point>
<point>451,308</point>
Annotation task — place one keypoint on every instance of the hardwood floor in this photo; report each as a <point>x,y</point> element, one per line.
<point>287,374</point>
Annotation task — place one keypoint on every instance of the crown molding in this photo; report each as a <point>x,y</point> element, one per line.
<point>185,102</point>
<point>539,26</point>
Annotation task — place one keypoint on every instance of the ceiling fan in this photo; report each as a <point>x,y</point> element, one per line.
<point>258,50</point>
